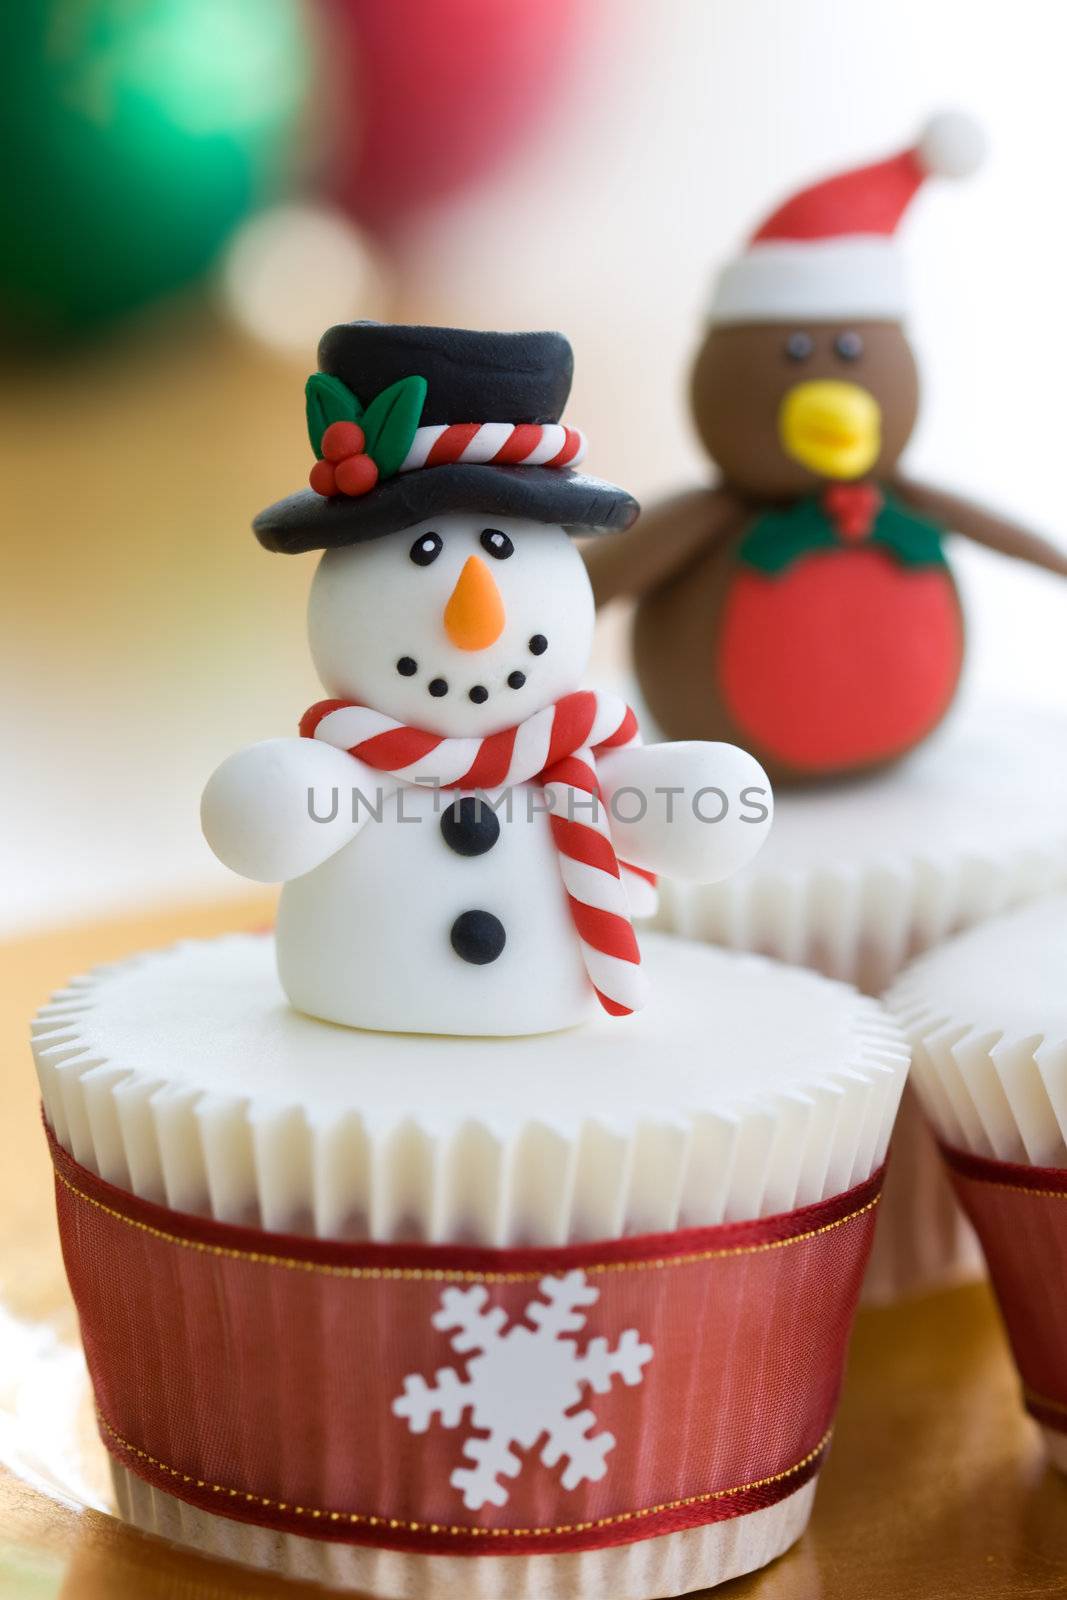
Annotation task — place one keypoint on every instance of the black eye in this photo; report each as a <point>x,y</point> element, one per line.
<point>427,548</point>
<point>498,544</point>
<point>799,346</point>
<point>849,346</point>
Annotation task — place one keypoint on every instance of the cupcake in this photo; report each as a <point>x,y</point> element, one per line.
<point>857,879</point>
<point>800,599</point>
<point>987,1018</point>
<point>447,1240</point>
<point>317,1268</point>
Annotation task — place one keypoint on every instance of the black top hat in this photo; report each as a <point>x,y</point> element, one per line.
<point>394,380</point>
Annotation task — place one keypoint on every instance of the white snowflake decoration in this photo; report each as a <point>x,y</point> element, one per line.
<point>522,1384</point>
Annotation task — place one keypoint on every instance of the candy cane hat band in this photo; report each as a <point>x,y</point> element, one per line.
<point>828,251</point>
<point>408,423</point>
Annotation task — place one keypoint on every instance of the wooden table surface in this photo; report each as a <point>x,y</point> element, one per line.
<point>935,1488</point>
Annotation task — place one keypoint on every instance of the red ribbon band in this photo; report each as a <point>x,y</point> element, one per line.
<point>1020,1216</point>
<point>254,1374</point>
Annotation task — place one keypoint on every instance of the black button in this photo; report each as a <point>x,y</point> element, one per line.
<point>470,827</point>
<point>478,937</point>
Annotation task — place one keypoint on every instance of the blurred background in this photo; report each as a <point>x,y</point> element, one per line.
<point>193,190</point>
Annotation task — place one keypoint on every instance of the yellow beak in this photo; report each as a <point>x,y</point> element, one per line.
<point>832,428</point>
<point>474,616</point>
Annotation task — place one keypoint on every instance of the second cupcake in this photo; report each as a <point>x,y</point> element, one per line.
<point>987,1016</point>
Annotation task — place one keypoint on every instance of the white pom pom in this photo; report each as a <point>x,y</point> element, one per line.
<point>952,145</point>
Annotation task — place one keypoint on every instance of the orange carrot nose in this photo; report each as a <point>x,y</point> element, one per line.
<point>474,615</point>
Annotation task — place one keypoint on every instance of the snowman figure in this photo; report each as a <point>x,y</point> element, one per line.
<point>463,832</point>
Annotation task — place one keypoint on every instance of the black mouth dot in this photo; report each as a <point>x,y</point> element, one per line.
<point>516,680</point>
<point>438,687</point>
<point>406,667</point>
<point>479,694</point>
<point>538,644</point>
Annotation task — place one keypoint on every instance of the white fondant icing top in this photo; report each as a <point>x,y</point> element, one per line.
<point>1007,976</point>
<point>991,780</point>
<point>720,1031</point>
<point>743,1089</point>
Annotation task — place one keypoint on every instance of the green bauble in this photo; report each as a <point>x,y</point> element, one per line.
<point>136,134</point>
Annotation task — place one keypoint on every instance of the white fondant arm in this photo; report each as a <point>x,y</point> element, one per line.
<point>278,809</point>
<point>692,810</point>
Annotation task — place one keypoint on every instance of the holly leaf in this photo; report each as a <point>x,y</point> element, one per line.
<point>390,420</point>
<point>328,400</point>
<point>778,538</point>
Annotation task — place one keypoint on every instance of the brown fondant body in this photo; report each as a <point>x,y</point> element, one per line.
<point>780,410</point>
<point>682,614</point>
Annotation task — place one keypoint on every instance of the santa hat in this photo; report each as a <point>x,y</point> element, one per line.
<point>829,252</point>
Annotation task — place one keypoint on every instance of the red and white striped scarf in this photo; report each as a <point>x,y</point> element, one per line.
<point>556,747</point>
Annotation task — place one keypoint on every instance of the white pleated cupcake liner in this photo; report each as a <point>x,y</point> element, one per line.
<point>999,1093</point>
<point>857,878</point>
<point>990,1092</point>
<point>862,922</point>
<point>923,1242</point>
<point>671,1564</point>
<point>550,1180</point>
<point>553,1179</point>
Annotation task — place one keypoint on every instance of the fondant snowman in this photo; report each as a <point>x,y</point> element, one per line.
<point>803,603</point>
<point>462,831</point>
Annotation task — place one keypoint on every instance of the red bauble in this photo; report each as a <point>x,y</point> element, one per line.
<point>356,475</point>
<point>431,94</point>
<point>342,439</point>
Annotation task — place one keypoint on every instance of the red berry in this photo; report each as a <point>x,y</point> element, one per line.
<point>323,478</point>
<point>357,475</point>
<point>342,439</point>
